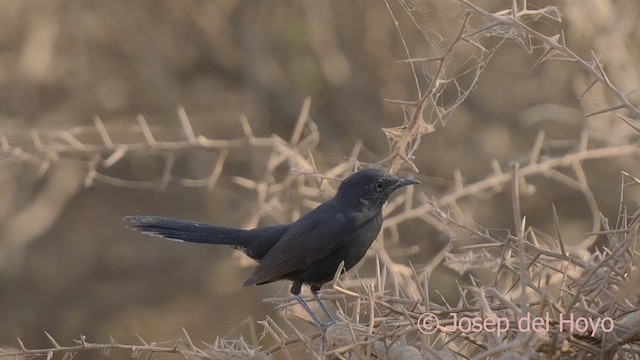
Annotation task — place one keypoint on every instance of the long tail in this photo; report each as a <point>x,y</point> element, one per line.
<point>255,243</point>
<point>183,230</point>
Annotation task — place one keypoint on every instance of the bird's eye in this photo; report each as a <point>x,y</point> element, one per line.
<point>379,185</point>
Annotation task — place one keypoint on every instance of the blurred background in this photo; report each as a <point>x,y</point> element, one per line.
<point>69,266</point>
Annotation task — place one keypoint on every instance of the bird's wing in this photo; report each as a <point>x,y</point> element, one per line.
<point>311,238</point>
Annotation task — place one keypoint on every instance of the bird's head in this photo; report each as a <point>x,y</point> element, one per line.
<point>370,187</point>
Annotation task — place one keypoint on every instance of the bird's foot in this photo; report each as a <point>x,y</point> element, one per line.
<point>325,326</point>
<point>323,307</point>
<point>315,319</point>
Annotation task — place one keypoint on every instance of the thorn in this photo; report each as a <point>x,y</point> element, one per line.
<point>528,45</point>
<point>246,127</point>
<point>537,148</point>
<point>37,142</point>
<point>188,130</point>
<point>169,162</point>
<point>102,130</point>
<point>543,57</point>
<point>44,166</point>
<point>91,173</point>
<point>71,140</point>
<point>628,121</point>
<point>4,142</point>
<point>595,81</point>
<point>115,156</point>
<point>612,108</point>
<point>188,339</point>
<point>146,131</point>
<point>337,274</point>
<point>175,347</point>
<point>52,340</point>
<point>217,169</point>
<point>457,179</point>
<point>401,102</point>
<point>302,119</point>
<point>425,59</point>
<point>141,340</point>
<point>596,63</point>
<point>21,345</point>
<point>556,222</point>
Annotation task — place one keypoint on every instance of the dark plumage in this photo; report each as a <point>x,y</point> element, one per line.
<point>307,251</point>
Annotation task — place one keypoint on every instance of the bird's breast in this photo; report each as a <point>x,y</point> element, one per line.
<point>365,233</point>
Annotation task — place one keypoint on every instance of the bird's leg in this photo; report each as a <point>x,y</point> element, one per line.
<point>308,310</point>
<point>314,291</point>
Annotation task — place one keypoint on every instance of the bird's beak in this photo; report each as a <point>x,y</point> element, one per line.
<point>404,182</point>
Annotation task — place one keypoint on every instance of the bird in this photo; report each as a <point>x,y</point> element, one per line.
<point>307,251</point>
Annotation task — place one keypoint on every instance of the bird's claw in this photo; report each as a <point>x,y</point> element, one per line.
<point>325,326</point>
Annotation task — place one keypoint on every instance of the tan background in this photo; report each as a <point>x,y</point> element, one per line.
<point>68,264</point>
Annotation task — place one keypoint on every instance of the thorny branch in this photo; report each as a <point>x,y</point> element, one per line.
<point>382,314</point>
<point>183,347</point>
<point>553,44</point>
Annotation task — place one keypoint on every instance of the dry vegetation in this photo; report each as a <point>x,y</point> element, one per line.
<point>541,94</point>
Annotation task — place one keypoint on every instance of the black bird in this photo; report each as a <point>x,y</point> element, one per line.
<point>307,251</point>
